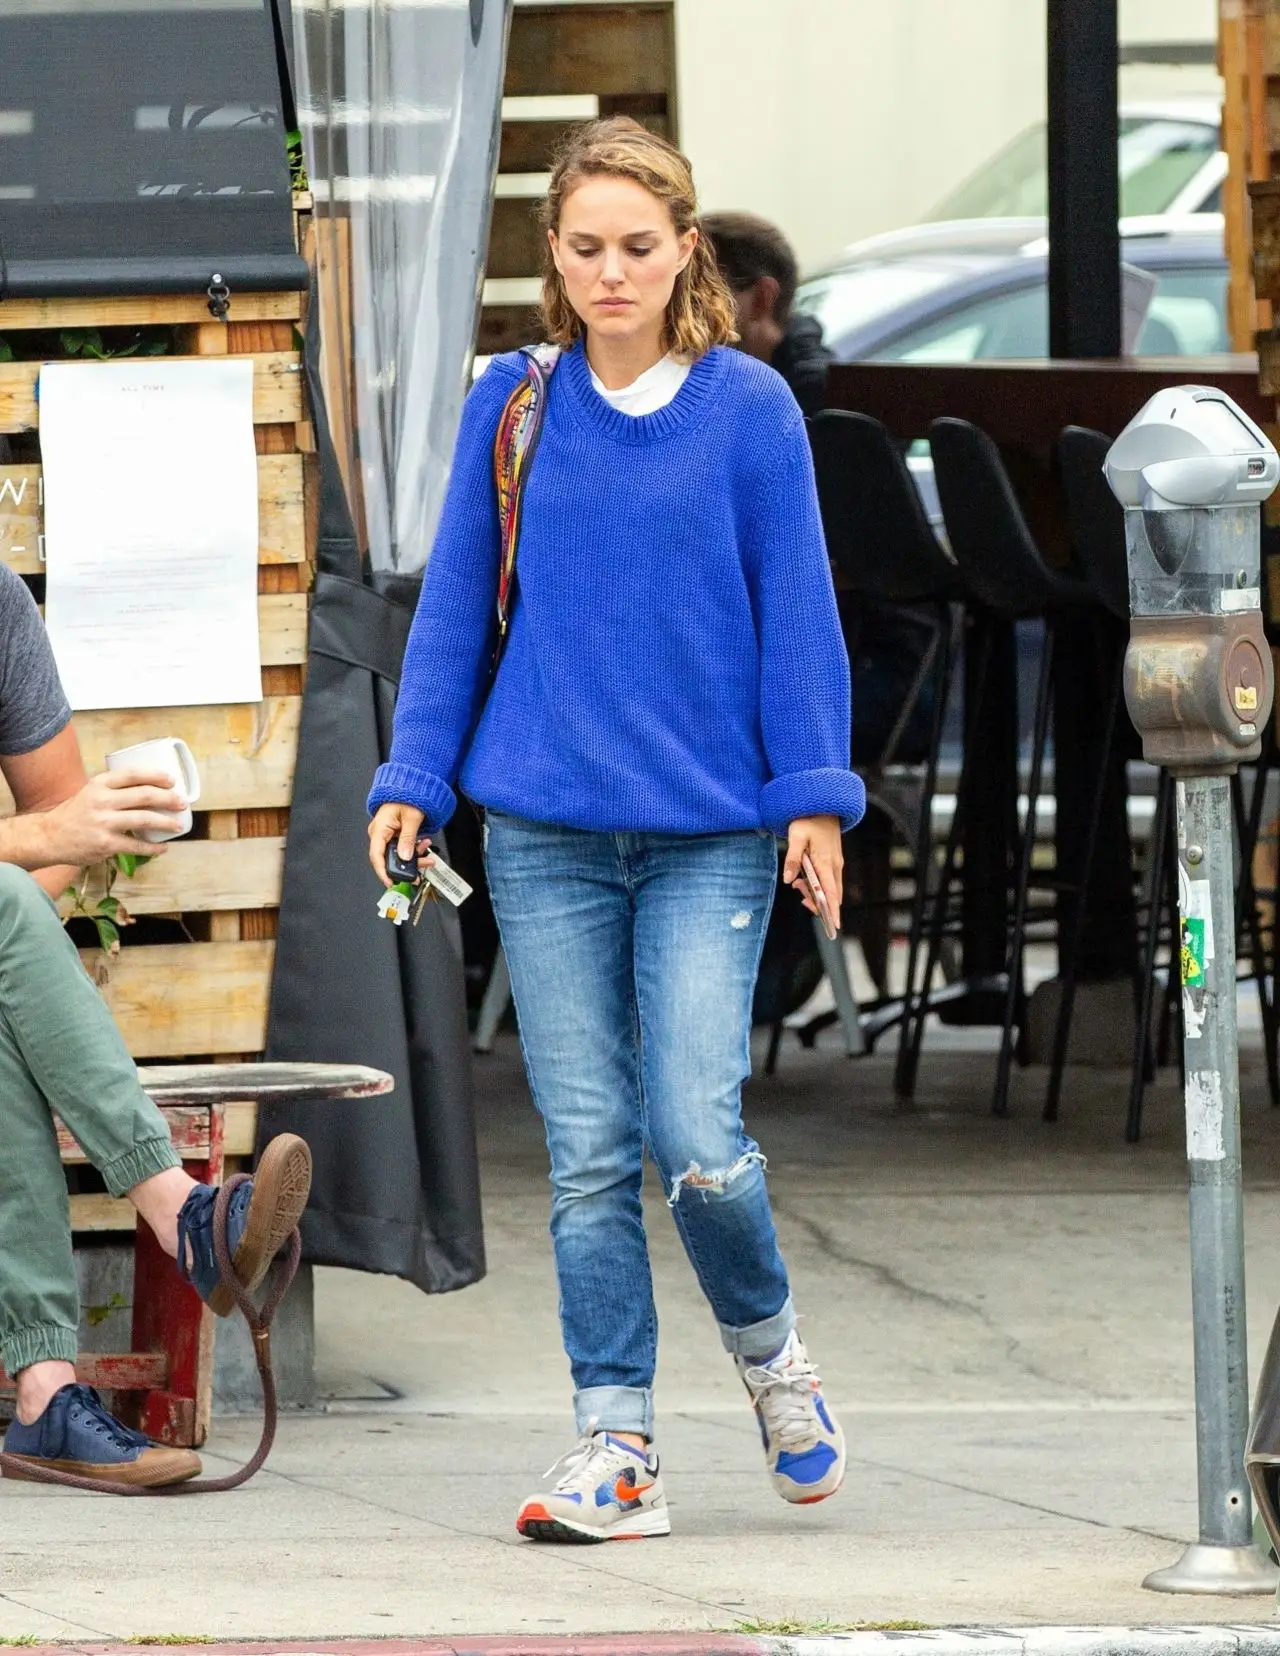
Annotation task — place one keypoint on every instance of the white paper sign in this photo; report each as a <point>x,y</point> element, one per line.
<point>151,531</point>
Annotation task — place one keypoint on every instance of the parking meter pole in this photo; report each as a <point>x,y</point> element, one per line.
<point>1191,471</point>
<point>1224,1560</point>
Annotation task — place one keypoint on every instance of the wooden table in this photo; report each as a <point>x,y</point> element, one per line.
<point>1024,406</point>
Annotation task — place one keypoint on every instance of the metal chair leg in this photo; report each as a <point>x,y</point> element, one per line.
<point>1068,964</point>
<point>1257,804</point>
<point>1017,941</point>
<point>913,1021</point>
<point>1155,907</point>
<point>924,853</point>
<point>1247,921</point>
<point>497,997</point>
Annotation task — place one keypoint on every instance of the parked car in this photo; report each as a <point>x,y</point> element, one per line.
<point>1169,162</point>
<point>977,290</point>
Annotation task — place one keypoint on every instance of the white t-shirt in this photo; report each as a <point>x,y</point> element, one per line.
<point>653,390</point>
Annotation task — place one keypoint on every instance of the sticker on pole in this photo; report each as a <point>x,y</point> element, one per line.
<point>1206,1137</point>
<point>1193,952</point>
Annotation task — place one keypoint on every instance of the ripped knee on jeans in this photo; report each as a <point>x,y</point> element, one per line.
<point>715,1183</point>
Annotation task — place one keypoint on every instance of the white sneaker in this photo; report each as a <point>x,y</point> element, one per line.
<point>606,1491</point>
<point>803,1445</point>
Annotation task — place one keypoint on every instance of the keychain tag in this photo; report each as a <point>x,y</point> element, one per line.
<point>447,882</point>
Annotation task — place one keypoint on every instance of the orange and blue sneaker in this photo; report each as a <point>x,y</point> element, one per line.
<point>803,1444</point>
<point>605,1490</point>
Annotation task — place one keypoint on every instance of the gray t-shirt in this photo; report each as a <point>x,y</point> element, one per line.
<point>33,708</point>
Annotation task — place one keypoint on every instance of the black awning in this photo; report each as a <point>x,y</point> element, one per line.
<point>142,148</point>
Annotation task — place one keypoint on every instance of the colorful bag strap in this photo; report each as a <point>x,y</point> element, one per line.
<point>514,446</point>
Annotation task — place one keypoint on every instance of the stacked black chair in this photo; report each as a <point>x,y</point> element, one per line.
<point>1097,532</point>
<point>1097,535</point>
<point>885,551</point>
<point>1003,571</point>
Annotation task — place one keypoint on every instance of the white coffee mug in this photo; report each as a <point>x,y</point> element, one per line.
<point>171,756</point>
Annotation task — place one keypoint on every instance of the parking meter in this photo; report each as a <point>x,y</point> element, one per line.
<point>1191,471</point>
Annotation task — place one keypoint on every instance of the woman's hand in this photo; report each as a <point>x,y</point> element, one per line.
<point>396,822</point>
<point>820,837</point>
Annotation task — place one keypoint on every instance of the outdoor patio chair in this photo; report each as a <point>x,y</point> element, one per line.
<point>1097,537</point>
<point>1097,533</point>
<point>1005,574</point>
<point>885,552</point>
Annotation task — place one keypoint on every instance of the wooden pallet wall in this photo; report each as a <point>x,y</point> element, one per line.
<point>1249,60</point>
<point>203,995</point>
<point>1243,50</point>
<point>565,64</point>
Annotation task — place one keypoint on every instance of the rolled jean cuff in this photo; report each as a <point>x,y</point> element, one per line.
<point>614,1409</point>
<point>144,1161</point>
<point>760,1339</point>
<point>41,1343</point>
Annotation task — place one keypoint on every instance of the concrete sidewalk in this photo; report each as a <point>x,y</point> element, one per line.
<point>1001,1313</point>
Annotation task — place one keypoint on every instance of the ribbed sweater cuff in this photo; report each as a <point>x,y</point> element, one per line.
<point>828,792</point>
<point>407,785</point>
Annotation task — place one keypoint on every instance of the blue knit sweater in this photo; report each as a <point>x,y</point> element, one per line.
<point>675,661</point>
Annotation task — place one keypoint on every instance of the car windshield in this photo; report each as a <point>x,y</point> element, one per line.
<point>1158,159</point>
<point>850,299</point>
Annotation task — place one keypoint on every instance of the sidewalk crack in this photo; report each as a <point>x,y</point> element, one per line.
<point>888,1278</point>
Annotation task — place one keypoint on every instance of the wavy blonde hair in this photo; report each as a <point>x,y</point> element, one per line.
<point>700,313</point>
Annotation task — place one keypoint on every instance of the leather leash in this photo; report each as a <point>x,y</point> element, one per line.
<point>259,1321</point>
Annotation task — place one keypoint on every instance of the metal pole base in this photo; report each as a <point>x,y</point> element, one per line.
<point>1219,1570</point>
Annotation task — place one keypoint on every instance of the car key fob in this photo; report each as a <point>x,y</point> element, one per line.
<point>402,869</point>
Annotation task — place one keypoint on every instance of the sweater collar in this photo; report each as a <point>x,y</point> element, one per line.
<point>690,402</point>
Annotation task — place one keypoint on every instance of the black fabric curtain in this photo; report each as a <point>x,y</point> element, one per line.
<point>396,1187</point>
<point>143,149</point>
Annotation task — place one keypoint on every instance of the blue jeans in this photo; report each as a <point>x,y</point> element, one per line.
<point>633,961</point>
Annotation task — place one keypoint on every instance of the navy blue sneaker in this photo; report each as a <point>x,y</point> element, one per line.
<point>76,1434</point>
<point>263,1215</point>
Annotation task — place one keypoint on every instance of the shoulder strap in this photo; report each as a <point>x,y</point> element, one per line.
<point>515,443</point>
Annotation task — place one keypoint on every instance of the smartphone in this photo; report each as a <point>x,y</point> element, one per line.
<point>819,898</point>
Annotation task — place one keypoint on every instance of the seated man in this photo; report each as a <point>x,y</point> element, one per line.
<point>60,1052</point>
<point>760,267</point>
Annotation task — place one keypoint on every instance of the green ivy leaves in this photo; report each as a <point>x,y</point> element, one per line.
<point>87,342</point>
<point>108,913</point>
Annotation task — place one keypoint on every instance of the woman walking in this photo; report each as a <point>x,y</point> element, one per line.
<point>673,696</point>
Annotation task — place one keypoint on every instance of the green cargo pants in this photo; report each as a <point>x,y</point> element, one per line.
<point>59,1050</point>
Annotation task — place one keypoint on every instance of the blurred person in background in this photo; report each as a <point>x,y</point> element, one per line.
<point>758,263</point>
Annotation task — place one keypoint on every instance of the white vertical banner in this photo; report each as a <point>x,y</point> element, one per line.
<point>151,531</point>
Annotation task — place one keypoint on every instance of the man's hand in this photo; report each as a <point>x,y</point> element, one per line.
<point>103,820</point>
<point>820,837</point>
<point>402,823</point>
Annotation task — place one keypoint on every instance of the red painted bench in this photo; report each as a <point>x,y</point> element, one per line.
<point>164,1384</point>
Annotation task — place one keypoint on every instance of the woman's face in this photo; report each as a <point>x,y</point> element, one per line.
<point>618,254</point>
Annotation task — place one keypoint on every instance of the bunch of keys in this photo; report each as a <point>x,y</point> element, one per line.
<point>413,888</point>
